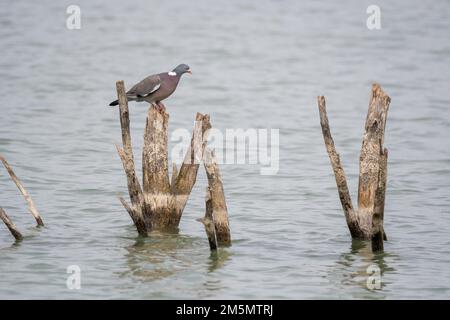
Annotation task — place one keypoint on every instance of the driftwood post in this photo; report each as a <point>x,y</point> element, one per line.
<point>367,221</point>
<point>23,191</point>
<point>216,222</point>
<point>217,196</point>
<point>10,225</point>
<point>160,202</point>
<point>208,221</point>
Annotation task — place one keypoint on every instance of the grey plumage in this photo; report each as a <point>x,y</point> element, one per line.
<point>157,87</point>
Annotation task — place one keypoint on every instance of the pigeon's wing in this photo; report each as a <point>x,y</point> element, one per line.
<point>145,87</point>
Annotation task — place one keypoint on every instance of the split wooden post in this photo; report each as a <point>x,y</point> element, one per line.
<point>10,225</point>
<point>159,204</point>
<point>217,196</point>
<point>208,221</point>
<point>367,221</point>
<point>378,233</point>
<point>31,206</point>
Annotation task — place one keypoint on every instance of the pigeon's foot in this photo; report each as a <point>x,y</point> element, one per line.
<point>160,106</point>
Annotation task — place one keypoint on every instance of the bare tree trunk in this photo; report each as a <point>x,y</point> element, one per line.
<point>367,221</point>
<point>10,225</point>
<point>155,153</point>
<point>369,161</point>
<point>218,204</point>
<point>32,208</point>
<point>160,203</point>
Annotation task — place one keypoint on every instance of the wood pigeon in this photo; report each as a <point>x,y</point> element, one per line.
<point>157,87</point>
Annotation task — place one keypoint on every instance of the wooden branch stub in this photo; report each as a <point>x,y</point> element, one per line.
<point>208,221</point>
<point>218,203</point>
<point>134,188</point>
<point>339,174</point>
<point>126,154</point>
<point>136,216</point>
<point>124,117</point>
<point>187,175</point>
<point>10,225</point>
<point>31,206</point>
<point>194,155</point>
<point>378,234</point>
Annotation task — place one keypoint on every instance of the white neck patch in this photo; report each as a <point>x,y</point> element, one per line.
<point>171,73</point>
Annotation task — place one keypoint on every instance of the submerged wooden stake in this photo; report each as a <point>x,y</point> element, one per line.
<point>32,208</point>
<point>159,204</point>
<point>339,174</point>
<point>217,195</point>
<point>208,221</point>
<point>10,225</point>
<point>378,234</point>
<point>367,221</point>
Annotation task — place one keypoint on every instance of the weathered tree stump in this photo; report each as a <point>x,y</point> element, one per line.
<point>216,215</point>
<point>10,225</point>
<point>367,221</point>
<point>159,204</point>
<point>218,204</point>
<point>31,206</point>
<point>208,221</point>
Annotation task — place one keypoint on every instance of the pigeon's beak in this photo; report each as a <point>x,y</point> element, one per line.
<point>189,71</point>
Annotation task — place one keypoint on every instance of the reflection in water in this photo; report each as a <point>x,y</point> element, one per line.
<point>354,268</point>
<point>158,256</point>
<point>217,259</point>
<point>163,255</point>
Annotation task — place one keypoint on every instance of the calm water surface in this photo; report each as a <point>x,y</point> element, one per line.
<point>258,64</point>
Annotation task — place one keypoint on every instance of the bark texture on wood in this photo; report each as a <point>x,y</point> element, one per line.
<point>160,202</point>
<point>188,171</point>
<point>155,153</point>
<point>218,204</point>
<point>208,221</point>
<point>126,156</point>
<point>10,225</point>
<point>31,206</point>
<point>367,221</point>
<point>378,234</point>
<point>339,174</point>
<point>187,175</point>
<point>370,151</point>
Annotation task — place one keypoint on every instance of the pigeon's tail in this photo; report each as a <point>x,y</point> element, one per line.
<point>114,103</point>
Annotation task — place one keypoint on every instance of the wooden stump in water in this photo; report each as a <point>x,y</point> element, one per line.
<point>159,204</point>
<point>217,195</point>
<point>208,221</point>
<point>10,225</point>
<point>31,206</point>
<point>367,221</point>
<point>216,215</point>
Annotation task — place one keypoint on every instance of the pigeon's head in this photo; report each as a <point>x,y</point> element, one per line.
<point>181,69</point>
